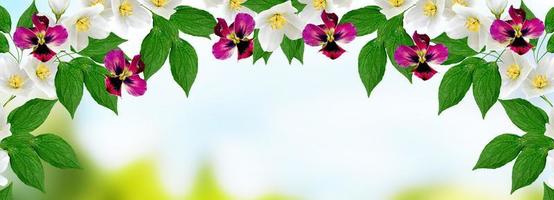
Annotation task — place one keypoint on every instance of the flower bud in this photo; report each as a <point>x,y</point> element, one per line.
<point>58,7</point>
<point>497,7</point>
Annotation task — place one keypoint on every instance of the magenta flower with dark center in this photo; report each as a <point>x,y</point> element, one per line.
<point>517,31</point>
<point>40,37</point>
<point>421,55</point>
<point>329,34</point>
<point>233,36</point>
<point>124,73</point>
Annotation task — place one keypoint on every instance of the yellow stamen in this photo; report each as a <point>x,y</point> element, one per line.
<point>540,81</point>
<point>233,37</point>
<point>473,24</point>
<point>125,74</point>
<point>460,2</point>
<point>83,24</point>
<point>42,71</point>
<point>159,3</point>
<point>330,35</point>
<point>236,4</point>
<point>96,2</point>
<point>396,3</point>
<point>126,8</point>
<point>513,71</point>
<point>15,81</point>
<point>430,8</point>
<point>41,37</point>
<point>517,29</point>
<point>421,54</point>
<point>277,21</point>
<point>319,4</point>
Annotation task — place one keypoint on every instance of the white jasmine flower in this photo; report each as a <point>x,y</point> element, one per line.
<point>230,8</point>
<point>84,24</point>
<point>129,13</point>
<point>107,12</point>
<point>13,80</point>
<point>392,8</point>
<point>541,79</point>
<point>471,24</point>
<point>164,8</point>
<point>426,17</point>
<point>42,75</point>
<point>275,23</point>
<point>514,69</point>
<point>314,8</point>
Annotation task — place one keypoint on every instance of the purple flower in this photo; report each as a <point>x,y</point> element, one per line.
<point>123,72</point>
<point>233,36</point>
<point>40,37</point>
<point>328,34</point>
<point>420,55</point>
<point>517,30</point>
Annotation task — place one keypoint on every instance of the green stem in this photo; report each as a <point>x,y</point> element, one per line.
<point>540,46</point>
<point>547,101</point>
<point>8,101</point>
<point>500,55</point>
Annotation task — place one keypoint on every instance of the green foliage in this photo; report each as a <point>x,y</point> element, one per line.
<point>6,193</point>
<point>366,20</point>
<point>548,193</point>
<point>156,45</point>
<point>525,115</point>
<point>550,45</point>
<point>457,49</point>
<point>30,115</point>
<point>4,45</point>
<point>456,82</point>
<point>500,151</point>
<point>5,20</point>
<point>193,21</point>
<point>94,76</point>
<point>549,21</point>
<point>293,49</point>
<point>69,86</point>
<point>258,51</point>
<point>372,61</point>
<point>528,166</point>
<point>486,86</point>
<point>184,64</point>
<point>392,34</point>
<point>98,48</point>
<point>261,5</point>
<point>54,150</point>
<point>26,164</point>
<point>26,18</point>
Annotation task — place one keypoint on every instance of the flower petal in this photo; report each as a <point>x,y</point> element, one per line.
<point>137,66</point>
<point>502,31</point>
<point>136,86</point>
<point>223,49</point>
<point>221,29</point>
<point>405,56</point>
<point>330,19</point>
<point>520,46</point>
<point>40,22</point>
<point>421,40</point>
<point>533,28</point>
<point>345,33</point>
<point>517,15</point>
<point>245,49</point>
<point>56,35</point>
<point>244,25</point>
<point>113,85</point>
<point>314,35</point>
<point>115,61</point>
<point>437,54</point>
<point>424,71</point>
<point>332,50</point>
<point>24,38</point>
<point>43,53</point>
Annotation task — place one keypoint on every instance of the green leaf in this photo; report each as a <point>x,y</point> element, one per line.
<point>548,192</point>
<point>525,115</point>
<point>20,140</point>
<point>458,50</point>
<point>528,12</point>
<point>293,49</point>
<point>100,47</point>
<point>26,164</point>
<point>94,78</point>
<point>156,45</point>
<point>69,86</point>
<point>366,20</point>
<point>26,18</point>
<point>5,20</point>
<point>528,166</point>
<point>533,140</point>
<point>486,86</point>
<point>499,152</point>
<point>30,115</point>
<point>258,51</point>
<point>261,5</point>
<point>372,61</point>
<point>184,64</point>
<point>393,35</point>
<point>6,193</point>
<point>299,6</point>
<point>56,151</point>
<point>193,21</point>
<point>550,45</point>
<point>4,45</point>
<point>549,21</point>
<point>456,83</point>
